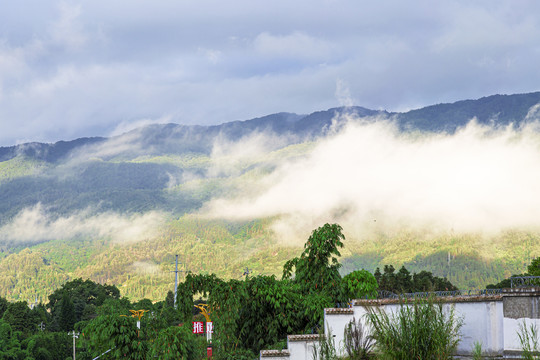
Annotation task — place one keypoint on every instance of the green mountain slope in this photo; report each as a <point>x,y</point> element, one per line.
<point>117,210</point>
<point>144,269</point>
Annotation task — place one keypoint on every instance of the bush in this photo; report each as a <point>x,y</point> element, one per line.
<point>421,330</point>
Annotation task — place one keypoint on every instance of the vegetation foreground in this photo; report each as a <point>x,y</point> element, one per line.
<point>248,315</point>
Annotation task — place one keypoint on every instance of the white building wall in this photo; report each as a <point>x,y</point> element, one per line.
<point>301,350</point>
<point>482,323</point>
<point>512,329</point>
<point>494,322</point>
<point>334,325</point>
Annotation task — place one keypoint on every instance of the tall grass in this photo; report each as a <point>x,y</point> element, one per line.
<point>477,351</point>
<point>325,349</point>
<point>358,343</point>
<point>528,338</point>
<point>418,330</point>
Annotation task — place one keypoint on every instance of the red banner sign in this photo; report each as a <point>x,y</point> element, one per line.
<point>198,327</point>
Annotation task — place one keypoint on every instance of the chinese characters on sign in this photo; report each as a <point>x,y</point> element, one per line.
<point>198,327</point>
<point>209,331</point>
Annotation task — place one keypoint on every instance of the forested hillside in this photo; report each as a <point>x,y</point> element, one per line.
<point>118,209</point>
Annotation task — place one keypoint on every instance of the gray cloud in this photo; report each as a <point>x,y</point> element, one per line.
<point>71,69</point>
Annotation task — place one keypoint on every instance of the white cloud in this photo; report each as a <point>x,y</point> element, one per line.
<point>35,224</point>
<point>145,267</point>
<point>231,157</point>
<point>343,93</point>
<point>370,177</point>
<point>129,143</point>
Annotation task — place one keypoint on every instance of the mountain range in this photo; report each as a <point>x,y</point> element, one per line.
<point>500,110</point>
<point>117,209</point>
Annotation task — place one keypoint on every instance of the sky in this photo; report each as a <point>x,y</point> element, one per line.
<point>70,69</point>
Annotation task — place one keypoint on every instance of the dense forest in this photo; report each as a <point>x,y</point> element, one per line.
<point>144,269</point>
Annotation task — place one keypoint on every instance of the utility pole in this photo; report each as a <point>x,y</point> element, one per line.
<point>176,271</point>
<point>75,336</point>
<point>175,281</point>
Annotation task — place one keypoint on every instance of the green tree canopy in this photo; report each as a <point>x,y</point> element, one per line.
<point>66,313</point>
<point>359,284</point>
<point>317,268</point>
<point>119,334</point>
<point>82,293</point>
<point>403,282</point>
<point>534,267</point>
<point>3,306</point>
<point>175,342</point>
<point>17,315</point>
<point>46,345</point>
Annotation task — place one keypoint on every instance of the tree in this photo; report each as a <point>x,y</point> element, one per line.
<point>3,306</point>
<point>317,268</point>
<point>169,300</point>
<point>534,267</point>
<point>269,310</point>
<point>10,343</point>
<point>66,313</point>
<point>175,342</point>
<point>404,282</point>
<point>260,311</point>
<point>360,284</point>
<point>45,345</point>
<point>17,315</point>
<point>117,333</point>
<point>144,304</point>
<point>378,276</point>
<point>388,279</point>
<point>113,306</point>
<point>316,273</point>
<point>532,270</point>
<point>82,294</point>
<point>425,281</point>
